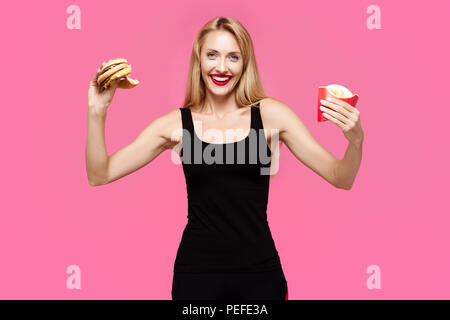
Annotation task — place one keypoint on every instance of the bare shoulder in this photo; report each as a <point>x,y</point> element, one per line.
<point>275,114</point>
<point>170,127</point>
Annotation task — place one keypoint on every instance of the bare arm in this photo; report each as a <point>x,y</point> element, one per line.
<point>348,167</point>
<point>296,136</point>
<point>150,143</point>
<point>96,154</point>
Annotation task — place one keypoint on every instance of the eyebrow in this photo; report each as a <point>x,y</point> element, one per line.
<point>229,52</point>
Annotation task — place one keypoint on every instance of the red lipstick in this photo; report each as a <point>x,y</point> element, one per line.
<point>220,83</point>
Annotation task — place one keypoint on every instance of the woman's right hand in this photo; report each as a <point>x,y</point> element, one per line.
<point>98,97</point>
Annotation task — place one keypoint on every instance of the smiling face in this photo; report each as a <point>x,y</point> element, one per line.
<point>221,58</point>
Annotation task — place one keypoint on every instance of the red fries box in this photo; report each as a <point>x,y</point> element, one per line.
<point>335,91</point>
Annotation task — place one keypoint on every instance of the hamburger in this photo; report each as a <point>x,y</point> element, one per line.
<point>116,69</point>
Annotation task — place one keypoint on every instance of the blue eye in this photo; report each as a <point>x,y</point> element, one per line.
<point>234,56</point>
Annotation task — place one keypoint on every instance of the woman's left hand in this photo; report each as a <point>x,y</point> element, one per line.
<point>345,117</point>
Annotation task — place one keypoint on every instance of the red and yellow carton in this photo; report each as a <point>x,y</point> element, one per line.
<point>335,91</point>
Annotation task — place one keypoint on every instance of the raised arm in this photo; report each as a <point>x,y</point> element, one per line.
<point>296,136</point>
<point>150,143</point>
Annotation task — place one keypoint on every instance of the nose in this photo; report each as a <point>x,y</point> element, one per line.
<point>221,68</point>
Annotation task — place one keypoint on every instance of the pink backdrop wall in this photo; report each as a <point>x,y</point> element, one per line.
<point>124,235</point>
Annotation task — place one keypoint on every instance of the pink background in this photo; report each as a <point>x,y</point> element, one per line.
<point>124,235</point>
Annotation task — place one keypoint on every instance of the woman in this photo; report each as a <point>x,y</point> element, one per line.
<point>226,251</point>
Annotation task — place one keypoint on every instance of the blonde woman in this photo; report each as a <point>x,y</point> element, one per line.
<point>229,127</point>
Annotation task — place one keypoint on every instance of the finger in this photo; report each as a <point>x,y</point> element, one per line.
<point>111,86</point>
<point>335,115</point>
<point>343,104</point>
<point>101,88</point>
<point>94,80</point>
<point>334,120</point>
<point>101,67</point>
<point>336,107</point>
<point>353,113</point>
<point>99,72</point>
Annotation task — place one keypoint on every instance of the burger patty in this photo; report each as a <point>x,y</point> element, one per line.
<point>124,66</point>
<point>108,78</point>
<point>109,67</point>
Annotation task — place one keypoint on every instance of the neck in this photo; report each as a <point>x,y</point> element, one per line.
<point>219,106</point>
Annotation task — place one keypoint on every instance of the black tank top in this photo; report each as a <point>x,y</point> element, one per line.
<point>227,228</point>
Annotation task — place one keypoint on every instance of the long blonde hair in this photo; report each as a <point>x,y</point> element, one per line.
<point>249,89</point>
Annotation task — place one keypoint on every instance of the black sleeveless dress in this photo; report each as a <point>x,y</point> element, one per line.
<point>227,189</point>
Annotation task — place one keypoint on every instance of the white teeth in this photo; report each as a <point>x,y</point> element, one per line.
<point>221,79</point>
